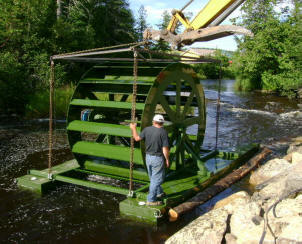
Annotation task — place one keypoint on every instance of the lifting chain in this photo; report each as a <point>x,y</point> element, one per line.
<point>50,132</point>
<point>218,106</point>
<point>135,64</point>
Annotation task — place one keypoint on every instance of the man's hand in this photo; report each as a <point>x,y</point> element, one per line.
<point>133,126</point>
<point>136,137</point>
<point>166,153</point>
<point>167,164</point>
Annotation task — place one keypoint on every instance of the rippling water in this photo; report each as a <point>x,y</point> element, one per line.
<point>73,214</point>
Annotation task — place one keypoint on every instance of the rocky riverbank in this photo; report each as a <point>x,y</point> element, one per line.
<point>244,218</point>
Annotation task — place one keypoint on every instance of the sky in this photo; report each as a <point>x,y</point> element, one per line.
<point>155,8</point>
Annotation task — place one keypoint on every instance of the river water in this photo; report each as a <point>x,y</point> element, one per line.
<point>73,214</point>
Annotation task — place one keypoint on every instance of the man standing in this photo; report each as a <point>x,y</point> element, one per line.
<point>157,155</point>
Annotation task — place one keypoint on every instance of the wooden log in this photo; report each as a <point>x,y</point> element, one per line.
<point>219,186</point>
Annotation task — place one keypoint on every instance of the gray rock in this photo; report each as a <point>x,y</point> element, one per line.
<point>295,147</point>
<point>296,157</point>
<point>288,157</point>
<point>208,228</point>
<point>230,202</point>
<point>230,239</point>
<point>269,170</point>
<point>243,226</point>
<point>288,223</point>
<point>280,184</point>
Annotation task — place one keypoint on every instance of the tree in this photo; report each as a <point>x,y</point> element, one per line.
<point>212,70</point>
<point>141,23</point>
<point>270,60</point>
<point>163,24</point>
<point>30,32</point>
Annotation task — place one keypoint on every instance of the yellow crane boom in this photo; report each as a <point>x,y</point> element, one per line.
<point>203,27</point>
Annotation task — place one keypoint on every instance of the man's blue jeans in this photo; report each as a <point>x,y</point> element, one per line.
<point>156,171</point>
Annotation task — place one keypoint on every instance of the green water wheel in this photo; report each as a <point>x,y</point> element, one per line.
<point>100,110</point>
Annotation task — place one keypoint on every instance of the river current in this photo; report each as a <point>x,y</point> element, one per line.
<point>73,214</point>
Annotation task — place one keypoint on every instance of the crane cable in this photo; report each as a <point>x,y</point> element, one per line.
<point>134,93</point>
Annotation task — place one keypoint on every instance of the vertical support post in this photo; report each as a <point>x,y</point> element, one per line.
<point>50,132</point>
<point>135,54</point>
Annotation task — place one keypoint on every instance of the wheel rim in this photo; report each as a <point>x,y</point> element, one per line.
<point>184,109</point>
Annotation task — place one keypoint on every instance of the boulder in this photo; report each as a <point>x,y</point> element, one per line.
<point>268,170</point>
<point>295,147</point>
<point>287,224</point>
<point>230,239</point>
<point>280,184</point>
<point>288,157</point>
<point>240,197</point>
<point>246,224</point>
<point>296,157</point>
<point>208,228</point>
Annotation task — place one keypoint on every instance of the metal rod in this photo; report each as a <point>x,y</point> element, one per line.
<point>92,53</point>
<point>187,4</point>
<point>97,60</point>
<point>50,132</point>
<point>91,184</point>
<point>133,44</point>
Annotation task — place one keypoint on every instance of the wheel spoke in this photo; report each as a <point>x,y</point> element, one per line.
<point>177,99</point>
<point>191,121</point>
<point>166,107</point>
<point>169,128</point>
<point>187,105</point>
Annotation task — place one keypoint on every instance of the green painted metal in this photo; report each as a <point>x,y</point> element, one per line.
<point>101,145</point>
<point>107,151</point>
<point>105,104</point>
<point>100,128</point>
<point>177,78</point>
<point>131,209</point>
<point>93,185</point>
<point>183,185</point>
<point>108,175</point>
<point>35,183</point>
<point>119,80</point>
<point>118,171</point>
<point>58,169</point>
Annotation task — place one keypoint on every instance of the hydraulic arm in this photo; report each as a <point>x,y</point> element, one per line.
<point>204,27</point>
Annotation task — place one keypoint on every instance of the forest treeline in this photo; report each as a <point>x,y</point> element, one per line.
<point>31,31</point>
<point>272,59</point>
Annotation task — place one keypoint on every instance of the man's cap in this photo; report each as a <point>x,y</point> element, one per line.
<point>159,118</point>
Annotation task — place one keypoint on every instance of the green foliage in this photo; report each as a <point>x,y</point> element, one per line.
<point>141,23</point>
<point>212,70</point>
<point>271,60</point>
<point>13,84</point>
<point>163,24</point>
<point>31,32</point>
<point>38,104</point>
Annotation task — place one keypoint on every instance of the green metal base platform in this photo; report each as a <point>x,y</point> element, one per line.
<point>179,185</point>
